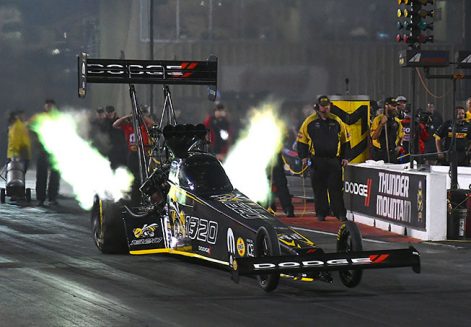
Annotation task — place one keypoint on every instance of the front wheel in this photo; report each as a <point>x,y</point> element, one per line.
<point>349,240</point>
<point>108,230</point>
<point>266,245</point>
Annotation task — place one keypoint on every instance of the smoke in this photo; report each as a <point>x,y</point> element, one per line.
<point>63,135</point>
<point>246,165</point>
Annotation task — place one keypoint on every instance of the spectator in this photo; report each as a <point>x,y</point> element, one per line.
<point>219,131</point>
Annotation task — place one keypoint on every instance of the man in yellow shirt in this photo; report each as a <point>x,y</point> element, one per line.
<point>19,142</point>
<point>323,139</point>
<point>387,133</point>
<point>468,110</point>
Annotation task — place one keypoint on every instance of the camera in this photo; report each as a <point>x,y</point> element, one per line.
<point>424,117</point>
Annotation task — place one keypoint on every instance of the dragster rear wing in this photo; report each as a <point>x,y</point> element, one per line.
<point>181,72</point>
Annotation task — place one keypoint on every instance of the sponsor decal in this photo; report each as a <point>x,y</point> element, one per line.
<point>183,70</point>
<point>292,238</point>
<point>241,205</point>
<point>420,203</point>
<point>416,58</point>
<point>466,60</point>
<point>316,263</point>
<point>234,265</point>
<point>391,202</point>
<point>144,241</point>
<point>387,195</point>
<point>145,231</point>
<point>246,210</point>
<point>356,188</point>
<point>230,241</point>
<point>250,247</point>
<point>201,229</point>
<point>378,258</point>
<point>204,249</point>
<point>241,246</point>
<point>458,135</point>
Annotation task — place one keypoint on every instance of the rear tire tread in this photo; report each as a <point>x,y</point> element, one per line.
<point>110,237</point>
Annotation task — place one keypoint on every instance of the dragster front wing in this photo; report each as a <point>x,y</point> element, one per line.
<point>319,261</point>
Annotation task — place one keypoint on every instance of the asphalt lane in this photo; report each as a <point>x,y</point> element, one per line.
<point>52,275</point>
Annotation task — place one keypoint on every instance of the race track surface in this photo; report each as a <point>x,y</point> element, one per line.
<point>52,275</point>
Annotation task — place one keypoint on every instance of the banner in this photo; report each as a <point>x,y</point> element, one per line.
<point>354,111</point>
<point>387,195</point>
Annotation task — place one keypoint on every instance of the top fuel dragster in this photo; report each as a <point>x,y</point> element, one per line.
<point>189,207</point>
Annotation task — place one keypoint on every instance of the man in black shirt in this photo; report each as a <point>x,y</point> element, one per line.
<point>324,139</point>
<point>462,138</point>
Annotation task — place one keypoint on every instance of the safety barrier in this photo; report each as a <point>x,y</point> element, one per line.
<point>401,200</point>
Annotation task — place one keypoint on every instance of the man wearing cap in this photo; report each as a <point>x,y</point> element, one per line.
<point>387,133</point>
<point>406,121</point>
<point>402,109</point>
<point>323,138</point>
<point>444,134</point>
<point>219,131</point>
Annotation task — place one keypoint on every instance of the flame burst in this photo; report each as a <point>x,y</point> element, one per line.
<point>79,164</point>
<point>249,158</point>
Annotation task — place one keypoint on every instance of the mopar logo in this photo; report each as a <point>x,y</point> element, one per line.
<point>310,263</point>
<point>356,188</point>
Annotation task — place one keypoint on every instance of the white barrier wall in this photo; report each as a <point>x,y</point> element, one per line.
<point>365,201</point>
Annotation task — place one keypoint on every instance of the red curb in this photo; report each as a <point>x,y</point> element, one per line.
<point>331,224</point>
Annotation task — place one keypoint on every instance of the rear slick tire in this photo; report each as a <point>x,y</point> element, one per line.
<point>349,240</point>
<point>107,226</point>
<point>266,245</point>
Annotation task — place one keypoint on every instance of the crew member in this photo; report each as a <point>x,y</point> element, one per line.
<point>279,187</point>
<point>468,110</point>
<point>387,133</point>
<point>219,131</point>
<point>45,168</point>
<point>125,124</point>
<point>19,142</point>
<point>323,139</point>
<point>462,135</point>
